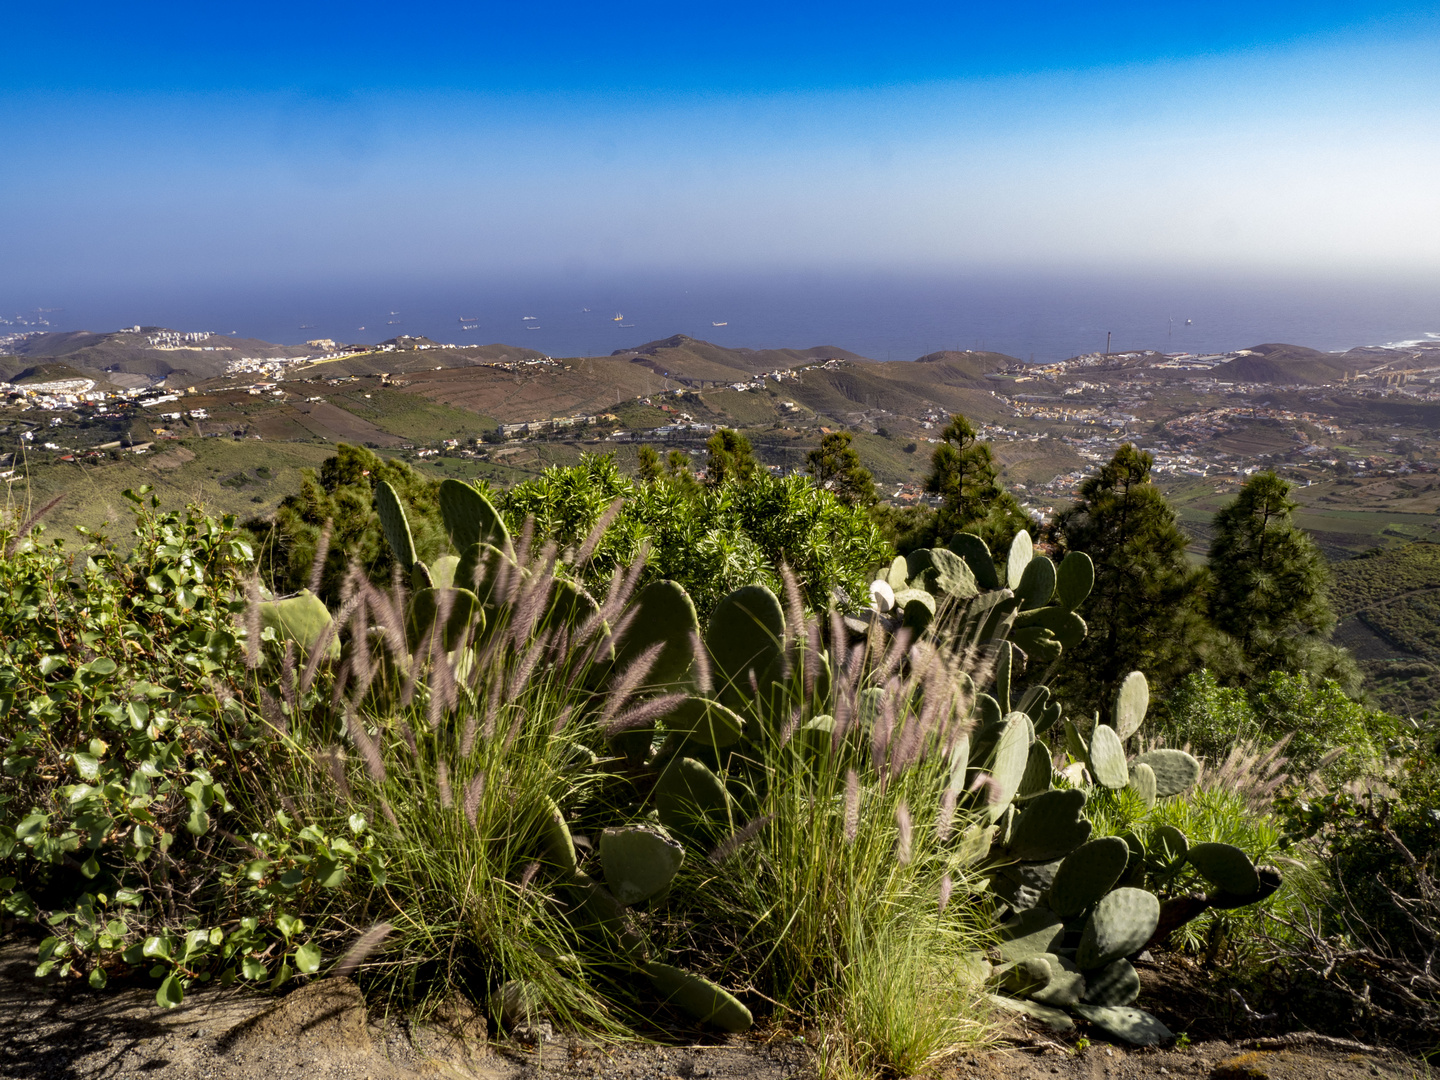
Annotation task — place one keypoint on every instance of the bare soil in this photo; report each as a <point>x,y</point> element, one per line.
<point>322,1031</point>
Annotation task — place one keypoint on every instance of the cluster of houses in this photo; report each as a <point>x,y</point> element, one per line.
<point>170,340</point>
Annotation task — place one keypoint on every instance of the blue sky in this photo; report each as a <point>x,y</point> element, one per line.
<point>171,144</point>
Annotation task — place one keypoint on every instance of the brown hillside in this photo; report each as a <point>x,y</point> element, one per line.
<point>95,354</point>
<point>967,364</point>
<point>1289,365</point>
<point>692,361</point>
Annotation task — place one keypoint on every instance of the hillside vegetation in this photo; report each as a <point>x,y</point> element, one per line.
<point>1395,593</point>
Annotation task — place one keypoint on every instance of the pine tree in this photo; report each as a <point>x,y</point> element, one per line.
<point>648,460</point>
<point>836,467</point>
<point>1146,611</point>
<point>964,474</point>
<point>731,458</point>
<point>1269,582</point>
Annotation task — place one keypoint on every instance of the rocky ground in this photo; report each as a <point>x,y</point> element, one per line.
<point>323,1031</point>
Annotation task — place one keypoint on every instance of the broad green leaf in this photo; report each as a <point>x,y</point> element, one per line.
<point>156,948</point>
<point>171,992</point>
<point>328,872</point>
<point>307,959</point>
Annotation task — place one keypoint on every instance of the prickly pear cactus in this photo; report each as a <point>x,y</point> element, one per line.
<point>1074,907</point>
<point>303,619</point>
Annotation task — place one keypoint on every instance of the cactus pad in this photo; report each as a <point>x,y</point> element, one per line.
<point>303,619</point>
<point>395,525</point>
<point>1131,701</point>
<point>951,576</point>
<point>1270,880</point>
<point>1012,753</point>
<point>1030,933</point>
<point>1018,897</point>
<point>570,605</point>
<point>745,634</point>
<point>1037,876</point>
<point>1067,627</point>
<point>470,518</point>
<point>1135,1026</point>
<point>1037,584</point>
<point>1026,975</point>
<point>1022,550</point>
<point>1142,782</point>
<point>977,556</point>
<point>465,612</point>
<point>1063,991</point>
<point>1037,643</point>
<point>1226,867</point>
<point>442,571</point>
<point>1034,700</point>
<point>882,597</point>
<point>987,712</point>
<point>1049,717</point>
<point>692,801</point>
<point>1073,580</point>
<point>638,862</point>
<point>555,834</point>
<point>1039,773</point>
<point>1134,876</point>
<point>919,564</point>
<point>1175,771</point>
<point>1121,924</point>
<point>701,998</point>
<point>1051,826</point>
<point>661,613</point>
<point>1004,671</point>
<point>1107,758</point>
<point>479,570</point>
<point>898,576</point>
<point>975,843</point>
<point>1087,874</point>
<point>601,914</point>
<point>1054,1019</point>
<point>1115,984</point>
<point>999,616</point>
<point>705,723</point>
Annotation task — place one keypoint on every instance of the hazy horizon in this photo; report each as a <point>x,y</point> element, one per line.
<point>158,148</point>
<point>884,316</point>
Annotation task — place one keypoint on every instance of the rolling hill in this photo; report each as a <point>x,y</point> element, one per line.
<point>699,362</point>
<point>125,352</point>
<point>1291,365</point>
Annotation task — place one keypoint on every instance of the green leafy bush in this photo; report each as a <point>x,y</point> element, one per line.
<point>711,540</point>
<point>1373,938</point>
<point>128,743</point>
<point>1323,727</point>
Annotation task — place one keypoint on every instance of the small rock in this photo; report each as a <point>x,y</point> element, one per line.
<point>327,1014</point>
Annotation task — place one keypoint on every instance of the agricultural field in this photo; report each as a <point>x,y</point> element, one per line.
<point>1346,516</point>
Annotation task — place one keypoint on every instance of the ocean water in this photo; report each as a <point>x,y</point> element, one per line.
<point>1034,316</point>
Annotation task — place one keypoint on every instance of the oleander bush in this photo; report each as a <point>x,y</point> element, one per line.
<point>711,540</point>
